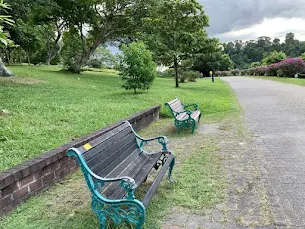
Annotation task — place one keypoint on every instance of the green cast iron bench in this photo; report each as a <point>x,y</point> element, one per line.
<point>183,117</point>
<point>114,165</point>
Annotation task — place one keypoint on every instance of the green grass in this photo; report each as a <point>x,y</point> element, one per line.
<point>296,81</point>
<point>49,108</point>
<point>200,184</point>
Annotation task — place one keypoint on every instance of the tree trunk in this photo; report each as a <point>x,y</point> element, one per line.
<point>176,71</point>
<point>28,55</point>
<point>3,70</point>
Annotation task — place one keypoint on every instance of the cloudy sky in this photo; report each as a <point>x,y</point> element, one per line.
<point>248,19</point>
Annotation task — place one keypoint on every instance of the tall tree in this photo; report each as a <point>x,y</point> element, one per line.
<point>4,40</point>
<point>99,21</point>
<point>176,31</point>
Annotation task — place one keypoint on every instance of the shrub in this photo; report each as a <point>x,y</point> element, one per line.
<point>192,75</point>
<point>72,50</point>
<point>168,73</point>
<point>291,66</point>
<point>272,70</point>
<point>137,67</point>
<point>274,57</point>
<point>303,56</point>
<point>94,63</point>
<point>255,64</point>
<point>217,73</point>
<point>235,72</point>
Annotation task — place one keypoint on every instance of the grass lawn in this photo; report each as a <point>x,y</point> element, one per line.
<point>43,97</point>
<point>49,108</point>
<point>296,81</point>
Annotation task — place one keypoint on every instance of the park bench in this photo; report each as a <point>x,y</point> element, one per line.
<point>183,117</point>
<point>114,165</point>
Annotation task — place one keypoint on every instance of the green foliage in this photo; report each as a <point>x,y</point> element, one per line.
<point>45,104</point>
<point>94,63</point>
<point>255,64</point>
<point>72,50</point>
<point>215,62</point>
<point>303,56</point>
<point>245,53</point>
<point>274,57</point>
<point>176,31</point>
<point>137,67</point>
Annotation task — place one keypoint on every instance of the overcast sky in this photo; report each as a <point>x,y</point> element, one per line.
<point>248,19</point>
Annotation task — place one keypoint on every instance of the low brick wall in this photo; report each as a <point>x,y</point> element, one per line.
<point>34,176</point>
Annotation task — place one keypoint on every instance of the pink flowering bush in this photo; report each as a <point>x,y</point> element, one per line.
<point>285,68</point>
<point>291,66</point>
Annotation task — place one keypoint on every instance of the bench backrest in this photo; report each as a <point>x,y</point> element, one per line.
<point>106,152</point>
<point>175,106</point>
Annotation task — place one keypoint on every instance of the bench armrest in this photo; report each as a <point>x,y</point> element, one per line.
<point>191,105</point>
<point>162,140</point>
<point>126,182</point>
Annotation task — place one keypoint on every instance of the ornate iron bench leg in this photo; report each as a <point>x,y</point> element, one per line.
<point>170,170</point>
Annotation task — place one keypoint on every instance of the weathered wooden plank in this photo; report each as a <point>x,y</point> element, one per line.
<point>138,174</point>
<point>99,143</point>
<point>130,171</point>
<point>173,101</point>
<point>110,163</point>
<point>157,181</point>
<point>111,149</point>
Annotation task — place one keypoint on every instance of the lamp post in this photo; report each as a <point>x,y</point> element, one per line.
<point>212,75</point>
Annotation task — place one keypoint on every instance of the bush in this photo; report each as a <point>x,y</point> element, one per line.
<point>137,67</point>
<point>272,70</point>
<point>255,64</point>
<point>72,50</point>
<point>94,63</point>
<point>169,73</point>
<point>274,57</point>
<point>235,72</point>
<point>291,66</point>
<point>217,73</point>
<point>192,75</point>
<point>303,56</point>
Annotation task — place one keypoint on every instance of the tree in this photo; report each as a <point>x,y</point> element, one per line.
<point>274,57</point>
<point>4,40</point>
<point>213,62</point>
<point>175,32</point>
<point>137,67</point>
<point>98,22</point>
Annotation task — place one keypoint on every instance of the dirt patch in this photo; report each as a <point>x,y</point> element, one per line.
<point>246,204</point>
<point>18,81</point>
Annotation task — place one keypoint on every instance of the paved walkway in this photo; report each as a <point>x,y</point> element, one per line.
<point>275,114</point>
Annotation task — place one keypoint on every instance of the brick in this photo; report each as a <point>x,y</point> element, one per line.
<point>9,189</point>
<point>37,184</point>
<point>20,193</point>
<point>6,179</point>
<point>5,201</point>
<point>26,180</point>
<point>48,179</point>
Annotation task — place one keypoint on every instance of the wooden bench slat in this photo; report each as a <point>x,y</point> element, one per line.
<point>157,181</point>
<point>109,137</point>
<point>184,120</point>
<point>102,169</point>
<point>139,173</point>
<point>130,171</point>
<point>111,149</point>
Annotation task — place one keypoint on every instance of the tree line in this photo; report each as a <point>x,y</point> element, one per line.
<point>73,32</point>
<point>256,52</point>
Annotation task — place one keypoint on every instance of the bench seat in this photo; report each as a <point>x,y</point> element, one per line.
<point>183,116</point>
<point>114,165</point>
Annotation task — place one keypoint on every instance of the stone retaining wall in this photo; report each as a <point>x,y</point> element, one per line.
<point>34,176</point>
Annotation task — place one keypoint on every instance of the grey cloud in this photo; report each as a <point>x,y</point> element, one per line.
<point>228,15</point>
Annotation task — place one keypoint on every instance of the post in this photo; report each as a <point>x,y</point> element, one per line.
<point>212,75</point>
